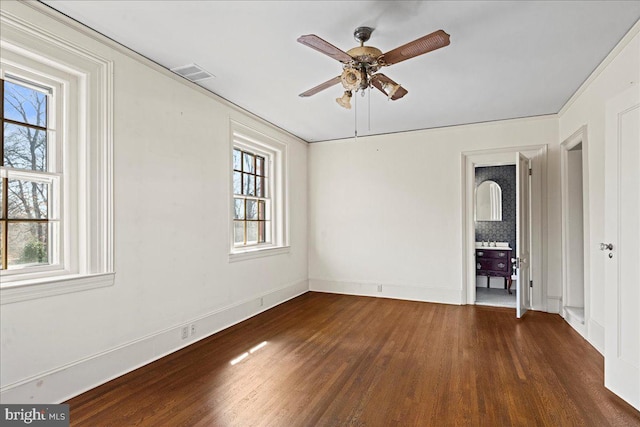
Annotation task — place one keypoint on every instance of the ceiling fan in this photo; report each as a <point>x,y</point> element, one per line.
<point>360,64</point>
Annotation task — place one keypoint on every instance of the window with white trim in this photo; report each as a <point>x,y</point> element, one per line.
<point>251,201</point>
<point>56,199</point>
<point>258,193</point>
<point>30,184</point>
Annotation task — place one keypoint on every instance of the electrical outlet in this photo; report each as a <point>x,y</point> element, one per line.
<point>185,332</point>
<point>379,288</point>
<point>193,329</point>
<point>261,301</point>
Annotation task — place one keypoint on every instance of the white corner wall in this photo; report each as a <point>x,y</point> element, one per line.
<point>620,70</point>
<point>172,191</point>
<point>386,212</point>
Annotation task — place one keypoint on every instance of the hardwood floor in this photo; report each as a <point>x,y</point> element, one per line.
<point>337,360</point>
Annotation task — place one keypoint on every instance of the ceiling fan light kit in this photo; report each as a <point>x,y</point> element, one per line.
<point>390,89</point>
<point>361,64</point>
<point>345,100</point>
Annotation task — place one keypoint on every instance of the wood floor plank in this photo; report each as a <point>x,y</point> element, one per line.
<point>338,360</point>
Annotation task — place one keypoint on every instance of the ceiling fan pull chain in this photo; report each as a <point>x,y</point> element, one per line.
<point>355,115</point>
<point>369,112</point>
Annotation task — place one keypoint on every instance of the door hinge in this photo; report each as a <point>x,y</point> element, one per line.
<point>530,172</point>
<point>531,283</point>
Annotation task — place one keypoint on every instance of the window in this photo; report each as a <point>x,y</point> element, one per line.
<point>30,178</point>
<point>258,182</point>
<point>251,202</point>
<point>56,222</point>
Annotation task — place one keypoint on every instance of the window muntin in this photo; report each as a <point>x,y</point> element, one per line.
<point>30,183</point>
<point>251,199</point>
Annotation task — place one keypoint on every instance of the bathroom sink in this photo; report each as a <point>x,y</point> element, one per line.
<point>498,245</point>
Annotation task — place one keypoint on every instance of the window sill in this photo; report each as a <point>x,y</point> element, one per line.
<point>252,253</point>
<point>25,290</point>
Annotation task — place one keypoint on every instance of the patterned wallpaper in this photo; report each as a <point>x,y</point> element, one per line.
<point>505,230</point>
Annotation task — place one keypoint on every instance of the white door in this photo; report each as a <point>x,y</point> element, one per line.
<point>523,302</point>
<point>621,246</point>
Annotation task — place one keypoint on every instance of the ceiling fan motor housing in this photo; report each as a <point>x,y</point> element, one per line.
<point>365,55</point>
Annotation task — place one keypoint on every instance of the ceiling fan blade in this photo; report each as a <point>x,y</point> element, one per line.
<point>425,44</point>
<point>321,87</point>
<point>323,46</point>
<point>385,85</point>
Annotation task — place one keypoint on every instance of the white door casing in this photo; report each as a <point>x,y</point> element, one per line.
<point>575,252</point>
<point>496,157</point>
<point>523,300</point>
<point>621,247</point>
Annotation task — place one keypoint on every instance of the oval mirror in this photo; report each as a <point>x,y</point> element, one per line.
<point>489,201</point>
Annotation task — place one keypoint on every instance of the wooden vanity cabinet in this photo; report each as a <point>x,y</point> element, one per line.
<point>494,262</point>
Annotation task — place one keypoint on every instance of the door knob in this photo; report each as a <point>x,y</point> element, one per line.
<point>606,246</point>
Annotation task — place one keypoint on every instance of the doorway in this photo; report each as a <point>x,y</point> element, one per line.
<point>495,236</point>
<point>575,227</point>
<point>536,295</point>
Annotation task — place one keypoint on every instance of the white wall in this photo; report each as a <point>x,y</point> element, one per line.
<point>587,107</point>
<point>171,145</point>
<point>387,210</point>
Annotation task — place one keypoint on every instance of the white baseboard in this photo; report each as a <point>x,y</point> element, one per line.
<point>554,305</point>
<point>575,321</point>
<point>589,329</point>
<point>65,382</point>
<point>596,335</point>
<point>412,293</point>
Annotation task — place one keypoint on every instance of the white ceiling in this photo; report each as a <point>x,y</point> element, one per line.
<point>506,59</point>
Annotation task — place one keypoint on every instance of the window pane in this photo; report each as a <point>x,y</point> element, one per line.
<point>237,183</point>
<point>238,231</point>
<point>237,162</point>
<point>260,165</point>
<point>252,232</point>
<point>249,163</point>
<point>25,105</point>
<point>261,210</point>
<point>1,203</point>
<point>261,232</point>
<point>259,186</point>
<point>25,147</point>
<point>238,208</point>
<point>252,209</point>
<point>27,199</point>
<point>249,184</point>
<point>28,244</point>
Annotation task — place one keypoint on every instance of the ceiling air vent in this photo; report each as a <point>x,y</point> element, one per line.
<point>193,72</point>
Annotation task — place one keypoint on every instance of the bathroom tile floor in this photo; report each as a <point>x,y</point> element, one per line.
<point>496,297</point>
